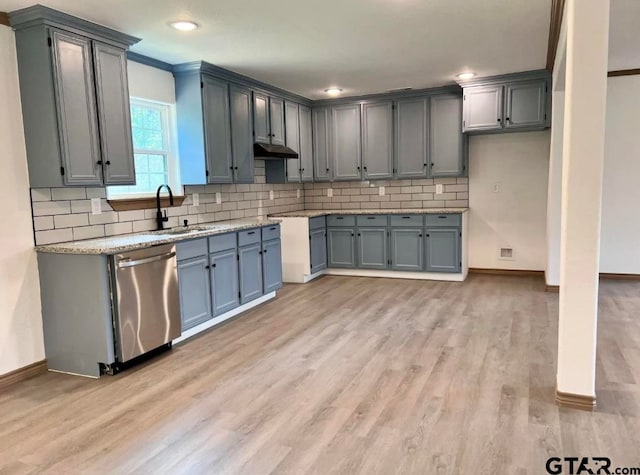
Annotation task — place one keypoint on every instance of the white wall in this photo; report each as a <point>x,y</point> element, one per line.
<point>516,215</point>
<point>21,341</point>
<point>620,233</point>
<point>150,83</point>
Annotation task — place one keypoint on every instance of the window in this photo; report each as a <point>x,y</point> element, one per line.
<point>153,130</point>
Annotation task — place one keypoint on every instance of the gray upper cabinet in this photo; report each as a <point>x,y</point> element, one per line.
<point>224,281</point>
<point>77,110</point>
<point>114,116</point>
<point>525,105</point>
<point>241,134</point>
<point>377,140</point>
<point>75,100</point>
<point>250,261</point>
<point>345,142</point>
<point>447,143</point>
<point>411,137</point>
<point>261,127</point>
<point>292,138</point>
<point>195,297</point>
<point>321,163</point>
<point>217,128</point>
<point>276,120</point>
<point>271,265</point>
<point>482,108</point>
<point>306,144</point>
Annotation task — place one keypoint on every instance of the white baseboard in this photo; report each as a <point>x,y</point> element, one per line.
<point>310,277</point>
<point>221,318</point>
<point>390,274</point>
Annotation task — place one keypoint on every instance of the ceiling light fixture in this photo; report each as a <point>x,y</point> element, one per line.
<point>333,91</point>
<point>184,25</point>
<point>465,76</point>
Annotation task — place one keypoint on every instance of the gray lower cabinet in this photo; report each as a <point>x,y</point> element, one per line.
<point>346,142</point>
<point>377,140</point>
<point>224,281</point>
<point>241,134</point>
<point>318,249</point>
<point>407,249</point>
<point>195,293</point>
<point>442,249</point>
<point>250,262</point>
<point>447,142</point>
<point>271,265</point>
<point>372,248</point>
<point>321,129</point>
<point>411,137</point>
<point>341,247</point>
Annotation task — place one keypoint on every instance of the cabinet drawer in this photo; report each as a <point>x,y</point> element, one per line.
<point>337,221</point>
<point>372,220</point>
<point>270,232</point>
<point>222,242</point>
<point>250,236</point>
<point>444,219</point>
<point>190,249</point>
<point>408,220</point>
<point>318,222</point>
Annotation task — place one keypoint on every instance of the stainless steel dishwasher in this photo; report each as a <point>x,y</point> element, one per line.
<point>147,305</point>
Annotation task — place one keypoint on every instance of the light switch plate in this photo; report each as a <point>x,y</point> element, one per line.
<point>439,189</point>
<point>96,206</point>
<point>496,187</point>
<point>271,195</point>
<point>381,191</point>
<point>195,198</point>
<point>218,198</point>
<point>330,192</point>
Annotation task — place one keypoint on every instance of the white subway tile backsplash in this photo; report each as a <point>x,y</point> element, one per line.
<point>88,232</point>
<point>104,218</point>
<point>96,193</point>
<point>71,220</point>
<point>114,229</point>
<point>61,194</point>
<point>134,215</point>
<point>51,208</point>
<point>40,194</point>
<point>53,236</point>
<point>42,223</point>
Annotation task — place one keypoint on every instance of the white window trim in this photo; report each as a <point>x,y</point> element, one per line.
<point>168,114</point>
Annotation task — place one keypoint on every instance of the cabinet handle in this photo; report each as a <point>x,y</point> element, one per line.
<point>365,169</point>
<point>327,170</point>
<point>507,119</point>
<point>371,217</point>
<point>272,229</point>
<point>251,232</point>
<point>406,217</point>
<point>351,234</point>
<point>236,168</point>
<point>431,164</point>
<point>230,168</point>
<point>207,267</point>
<point>442,217</point>
<point>107,162</point>
<point>498,119</point>
<point>359,235</point>
<point>99,162</point>
<point>213,265</point>
<point>419,235</point>
<point>265,251</point>
<point>260,252</point>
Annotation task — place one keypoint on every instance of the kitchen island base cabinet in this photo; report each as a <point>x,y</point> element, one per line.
<point>341,246</point>
<point>407,249</point>
<point>224,281</point>
<point>250,259</point>
<point>195,300</point>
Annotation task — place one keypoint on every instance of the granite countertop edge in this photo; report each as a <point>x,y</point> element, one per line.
<point>131,242</point>
<point>325,212</point>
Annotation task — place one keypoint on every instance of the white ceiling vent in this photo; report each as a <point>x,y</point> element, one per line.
<point>507,254</point>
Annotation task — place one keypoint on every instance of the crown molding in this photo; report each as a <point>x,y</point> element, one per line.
<point>147,61</point>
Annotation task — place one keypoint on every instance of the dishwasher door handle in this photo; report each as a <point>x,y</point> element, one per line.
<point>137,262</point>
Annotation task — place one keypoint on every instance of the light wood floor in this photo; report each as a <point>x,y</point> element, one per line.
<point>346,375</point>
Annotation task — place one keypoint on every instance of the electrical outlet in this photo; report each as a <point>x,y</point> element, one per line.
<point>195,198</point>
<point>496,187</point>
<point>218,198</point>
<point>381,191</point>
<point>271,195</point>
<point>439,189</point>
<point>298,193</point>
<point>330,192</point>
<point>96,206</point>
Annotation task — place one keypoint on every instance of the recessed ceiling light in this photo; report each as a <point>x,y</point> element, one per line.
<point>184,25</point>
<point>464,76</point>
<point>333,91</point>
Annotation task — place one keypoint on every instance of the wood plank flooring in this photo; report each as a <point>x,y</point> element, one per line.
<point>346,375</point>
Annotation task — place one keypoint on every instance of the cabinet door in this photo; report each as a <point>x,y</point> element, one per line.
<point>372,248</point>
<point>224,281</point>
<point>318,248</point>
<point>217,130</point>
<point>407,249</point>
<point>195,292</point>
<point>443,249</point>
<point>306,145</point>
<point>482,108</point>
<point>250,272</point>
<point>377,140</point>
<point>321,164</point>
<point>241,135</point>
<point>292,137</point>
<point>76,104</point>
<point>272,265</point>
<point>261,128</point>
<point>526,103</point>
<point>345,142</point>
<point>446,144</point>
<point>114,114</point>
<point>276,120</point>
<point>411,134</point>
<point>341,245</point>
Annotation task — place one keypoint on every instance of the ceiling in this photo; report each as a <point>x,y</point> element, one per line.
<point>361,46</point>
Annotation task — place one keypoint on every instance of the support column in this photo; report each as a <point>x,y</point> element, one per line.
<point>583,156</point>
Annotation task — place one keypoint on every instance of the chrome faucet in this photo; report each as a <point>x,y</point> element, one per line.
<point>160,218</point>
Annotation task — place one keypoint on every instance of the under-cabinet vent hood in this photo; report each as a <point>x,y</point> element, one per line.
<point>267,151</point>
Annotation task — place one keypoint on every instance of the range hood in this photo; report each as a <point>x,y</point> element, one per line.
<point>267,151</point>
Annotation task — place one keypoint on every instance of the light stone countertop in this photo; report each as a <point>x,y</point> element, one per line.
<point>312,213</point>
<point>130,242</point>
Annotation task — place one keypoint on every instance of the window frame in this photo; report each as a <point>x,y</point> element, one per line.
<point>169,138</point>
